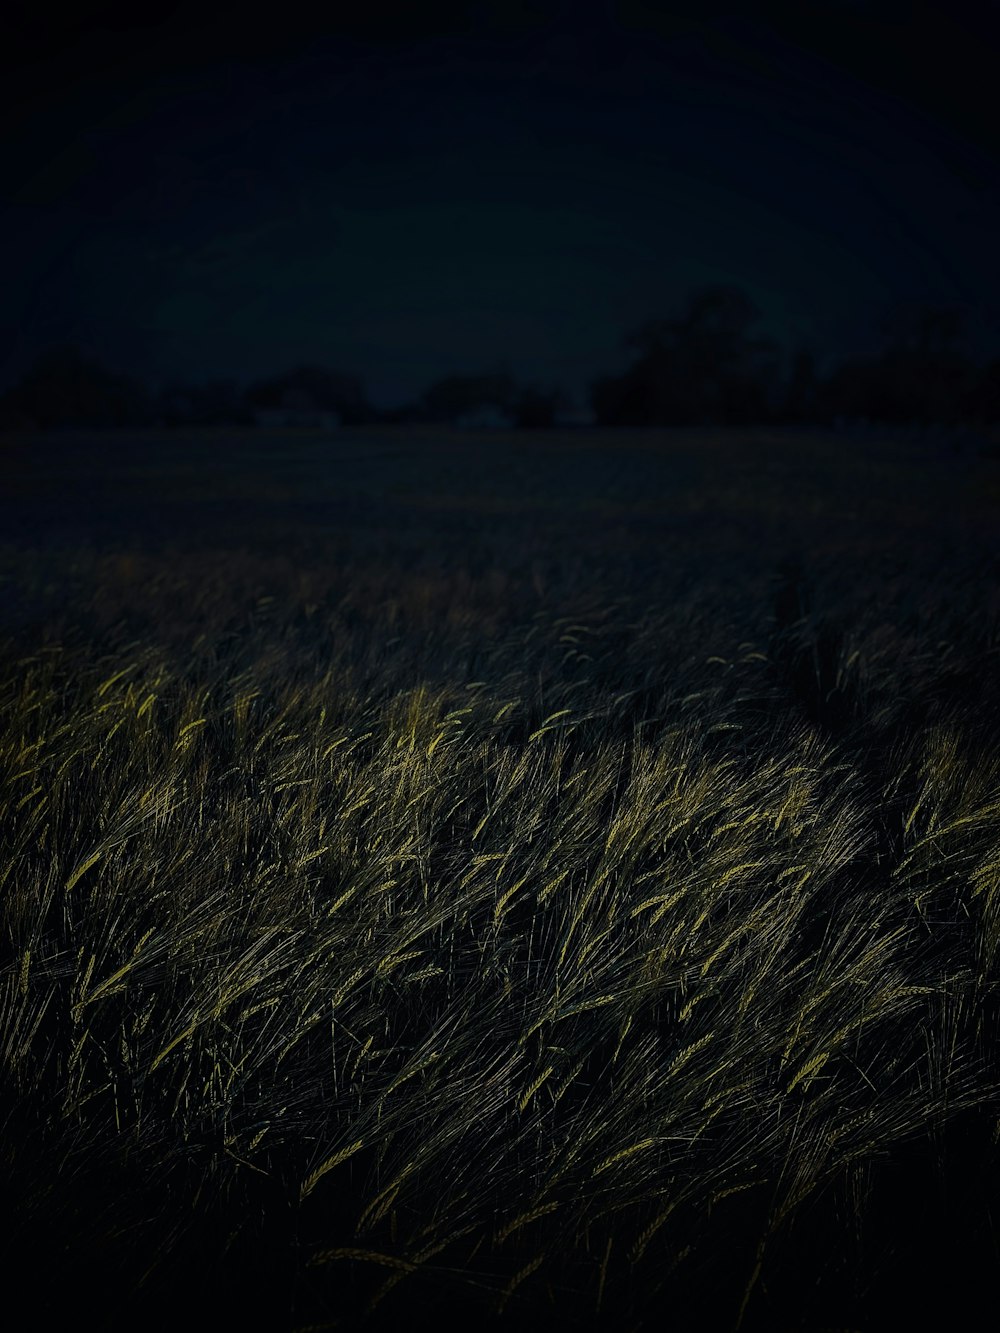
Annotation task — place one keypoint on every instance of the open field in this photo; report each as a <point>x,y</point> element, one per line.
<point>551,877</point>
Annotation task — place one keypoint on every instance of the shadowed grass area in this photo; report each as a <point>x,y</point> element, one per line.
<point>579,922</point>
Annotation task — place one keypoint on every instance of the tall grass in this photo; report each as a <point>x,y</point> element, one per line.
<point>544,956</point>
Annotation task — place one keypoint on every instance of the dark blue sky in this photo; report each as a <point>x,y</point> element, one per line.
<point>434,188</point>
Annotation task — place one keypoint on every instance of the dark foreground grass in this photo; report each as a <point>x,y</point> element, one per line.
<point>548,883</point>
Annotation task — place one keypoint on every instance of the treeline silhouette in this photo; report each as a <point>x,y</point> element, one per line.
<point>706,366</point>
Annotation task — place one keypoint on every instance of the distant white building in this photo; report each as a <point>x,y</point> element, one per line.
<point>486,417</point>
<point>297,407</point>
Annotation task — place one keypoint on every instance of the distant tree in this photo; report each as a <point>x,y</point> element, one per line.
<point>536,408</point>
<point>400,414</point>
<point>800,401</point>
<point>703,367</point>
<point>457,395</point>
<point>66,387</point>
<point>982,402</point>
<point>851,391</point>
<point>315,387</point>
<point>403,414</point>
<point>922,373</point>
<point>12,415</point>
<point>217,403</point>
<point>622,400</point>
<point>922,329</point>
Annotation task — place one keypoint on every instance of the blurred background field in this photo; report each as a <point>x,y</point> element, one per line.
<point>549,875</point>
<point>655,498</point>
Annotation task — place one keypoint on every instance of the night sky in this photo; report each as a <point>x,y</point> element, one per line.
<point>435,188</point>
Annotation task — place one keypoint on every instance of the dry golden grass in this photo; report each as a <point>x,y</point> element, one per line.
<point>503,938</point>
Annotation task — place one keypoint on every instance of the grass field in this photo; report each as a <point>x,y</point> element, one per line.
<point>549,878</point>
